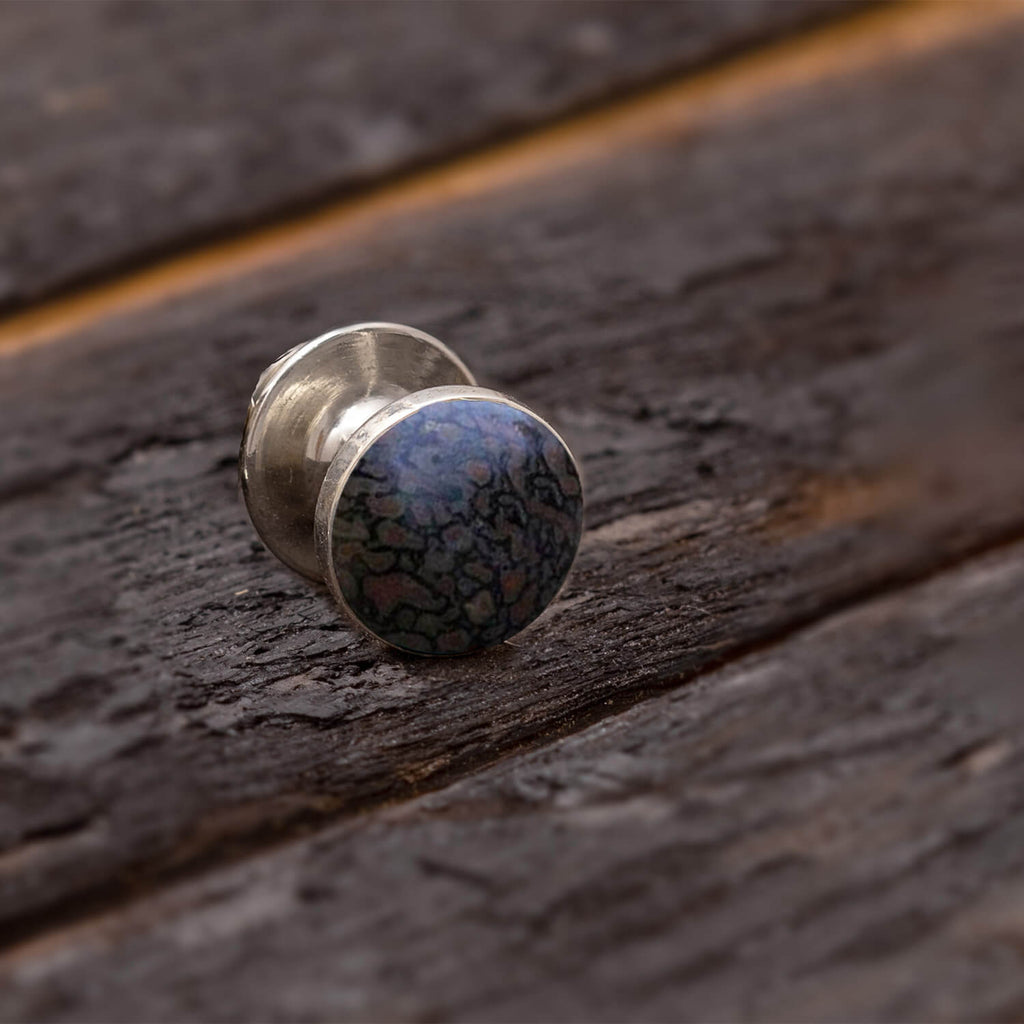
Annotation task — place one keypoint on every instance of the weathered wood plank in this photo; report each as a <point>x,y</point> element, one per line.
<point>827,830</point>
<point>788,352</point>
<point>130,128</point>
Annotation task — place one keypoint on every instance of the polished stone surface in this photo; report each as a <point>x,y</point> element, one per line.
<point>458,527</point>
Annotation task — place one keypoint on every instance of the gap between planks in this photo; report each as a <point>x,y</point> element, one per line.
<point>855,45</point>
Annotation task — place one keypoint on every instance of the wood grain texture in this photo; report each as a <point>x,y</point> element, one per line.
<point>828,830</point>
<point>788,352</point>
<point>132,128</point>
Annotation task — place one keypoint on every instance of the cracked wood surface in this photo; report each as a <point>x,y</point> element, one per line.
<point>132,128</point>
<point>831,829</point>
<point>789,354</point>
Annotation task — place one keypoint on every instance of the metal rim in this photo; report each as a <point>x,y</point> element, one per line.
<point>352,451</point>
<point>273,376</point>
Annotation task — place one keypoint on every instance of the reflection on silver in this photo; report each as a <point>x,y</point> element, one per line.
<point>308,404</point>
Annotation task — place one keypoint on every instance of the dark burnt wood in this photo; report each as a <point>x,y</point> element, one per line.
<point>831,829</point>
<point>787,346</point>
<point>128,129</point>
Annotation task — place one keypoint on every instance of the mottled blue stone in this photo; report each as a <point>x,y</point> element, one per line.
<point>457,528</point>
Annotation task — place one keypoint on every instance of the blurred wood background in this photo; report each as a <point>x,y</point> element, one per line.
<point>761,263</point>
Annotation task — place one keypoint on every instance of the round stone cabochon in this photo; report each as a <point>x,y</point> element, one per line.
<point>457,528</point>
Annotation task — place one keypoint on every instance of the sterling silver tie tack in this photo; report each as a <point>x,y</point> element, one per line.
<point>444,517</point>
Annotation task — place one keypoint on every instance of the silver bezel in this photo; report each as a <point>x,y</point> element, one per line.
<point>352,451</point>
